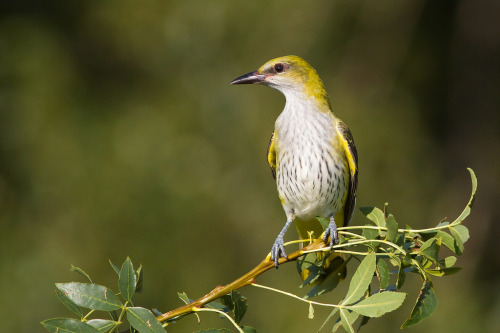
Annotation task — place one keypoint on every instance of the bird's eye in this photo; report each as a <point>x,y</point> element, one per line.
<point>279,68</point>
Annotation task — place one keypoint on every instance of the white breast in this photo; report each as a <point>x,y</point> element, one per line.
<point>311,169</point>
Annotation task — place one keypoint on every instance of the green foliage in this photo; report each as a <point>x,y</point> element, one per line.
<point>143,320</point>
<point>387,255</point>
<point>78,295</point>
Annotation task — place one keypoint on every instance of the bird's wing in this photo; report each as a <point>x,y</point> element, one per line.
<point>352,160</point>
<point>271,156</point>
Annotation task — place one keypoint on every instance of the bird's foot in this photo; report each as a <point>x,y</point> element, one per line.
<point>331,231</point>
<point>278,250</point>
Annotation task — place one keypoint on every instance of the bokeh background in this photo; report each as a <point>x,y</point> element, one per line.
<point>121,136</point>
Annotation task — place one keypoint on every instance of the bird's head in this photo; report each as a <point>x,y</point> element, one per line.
<point>291,75</point>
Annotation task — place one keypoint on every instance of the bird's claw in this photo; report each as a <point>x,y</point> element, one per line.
<point>277,251</point>
<point>331,231</point>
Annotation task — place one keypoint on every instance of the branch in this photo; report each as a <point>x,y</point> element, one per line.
<point>242,281</point>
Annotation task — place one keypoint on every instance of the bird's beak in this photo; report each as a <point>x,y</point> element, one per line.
<point>249,78</point>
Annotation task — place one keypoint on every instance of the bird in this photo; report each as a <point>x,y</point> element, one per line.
<point>311,153</point>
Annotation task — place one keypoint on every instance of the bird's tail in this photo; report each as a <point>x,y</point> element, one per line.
<point>319,267</point>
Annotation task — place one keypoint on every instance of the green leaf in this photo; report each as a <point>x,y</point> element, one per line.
<point>425,306</point>
<point>379,304</point>
<point>115,268</point>
<point>324,222</point>
<point>91,296</point>
<point>227,301</point>
<point>392,228</point>
<point>374,214</point>
<point>331,281</point>
<point>461,234</point>
<point>361,279</point>
<point>81,272</point>
<point>372,234</point>
<point>444,271</point>
<point>240,305</point>
<point>401,277</point>
<point>66,325</point>
<point>69,303</point>
<point>430,249</point>
<point>383,273</point>
<point>140,277</point>
<point>400,239</point>
<point>143,320</point>
<point>462,231</point>
<point>448,261</point>
<point>102,325</point>
<point>307,268</point>
<point>447,240</point>
<point>184,297</point>
<point>127,280</point>
<point>248,329</point>
<point>214,330</point>
<point>394,260</point>
<point>346,323</point>
<point>311,311</point>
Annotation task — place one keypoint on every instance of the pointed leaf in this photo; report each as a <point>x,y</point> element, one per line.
<point>127,280</point>
<point>401,277</point>
<point>383,273</point>
<point>425,306</point>
<point>140,277</point>
<point>102,325</point>
<point>143,320</point>
<point>379,304</point>
<point>361,279</point>
<point>344,318</point>
<point>444,271</point>
<point>66,325</point>
<point>115,268</point>
<point>240,305</point>
<point>91,296</point>
<point>184,297</point>
<point>81,272</point>
<point>392,228</point>
<point>374,214</point>
<point>248,329</point>
<point>69,303</point>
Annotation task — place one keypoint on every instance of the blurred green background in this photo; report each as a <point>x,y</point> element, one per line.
<point>121,136</point>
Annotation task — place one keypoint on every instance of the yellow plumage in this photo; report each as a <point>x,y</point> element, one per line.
<point>311,153</point>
